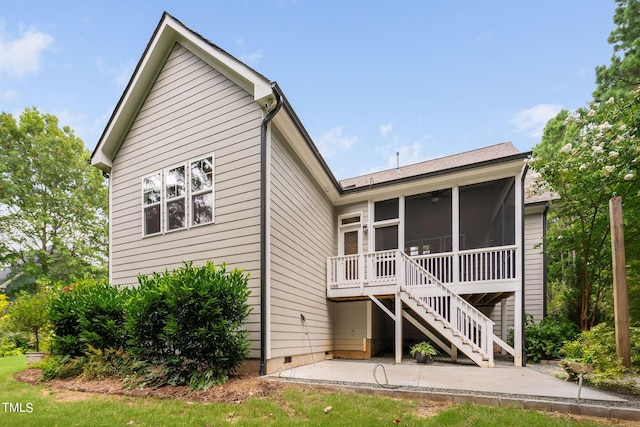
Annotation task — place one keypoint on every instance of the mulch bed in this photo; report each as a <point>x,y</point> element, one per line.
<point>238,389</point>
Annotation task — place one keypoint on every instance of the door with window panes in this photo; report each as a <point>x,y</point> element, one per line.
<point>350,244</point>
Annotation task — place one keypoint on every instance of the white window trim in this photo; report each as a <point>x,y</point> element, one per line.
<point>353,226</point>
<point>166,199</point>
<point>144,206</point>
<point>190,193</point>
<point>399,221</point>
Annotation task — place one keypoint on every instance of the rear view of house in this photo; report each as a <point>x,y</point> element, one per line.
<point>207,160</point>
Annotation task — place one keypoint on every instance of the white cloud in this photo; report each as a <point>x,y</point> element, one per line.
<point>409,154</point>
<point>334,141</point>
<point>121,74</point>
<point>385,129</point>
<point>9,95</point>
<point>249,58</point>
<point>533,120</point>
<point>252,58</point>
<point>23,55</point>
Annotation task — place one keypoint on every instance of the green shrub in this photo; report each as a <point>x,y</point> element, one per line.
<point>88,314</point>
<point>183,327</point>
<point>598,347</point>
<point>11,343</point>
<point>189,322</point>
<point>61,367</point>
<point>102,316</point>
<point>64,315</point>
<point>544,340</point>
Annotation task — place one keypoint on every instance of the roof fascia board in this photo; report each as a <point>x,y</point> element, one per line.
<point>241,74</point>
<point>461,175</point>
<point>169,32</point>
<point>291,135</point>
<point>519,157</point>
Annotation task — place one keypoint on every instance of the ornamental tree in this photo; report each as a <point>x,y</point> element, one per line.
<point>29,314</point>
<point>599,159</point>
<point>53,204</point>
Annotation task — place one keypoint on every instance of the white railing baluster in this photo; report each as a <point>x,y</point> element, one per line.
<point>477,265</point>
<point>452,308</point>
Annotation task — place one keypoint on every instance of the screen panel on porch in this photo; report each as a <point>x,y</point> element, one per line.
<point>487,220</point>
<point>428,223</point>
<point>386,216</point>
<point>487,214</point>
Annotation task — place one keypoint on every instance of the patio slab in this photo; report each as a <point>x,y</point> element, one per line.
<point>500,379</point>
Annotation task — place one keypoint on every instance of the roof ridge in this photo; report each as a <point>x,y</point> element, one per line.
<point>433,160</point>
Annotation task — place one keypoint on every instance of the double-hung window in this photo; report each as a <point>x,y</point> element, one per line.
<point>179,198</point>
<point>202,191</point>
<point>151,204</point>
<point>175,198</point>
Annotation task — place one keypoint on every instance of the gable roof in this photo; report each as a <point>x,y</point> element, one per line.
<point>169,32</point>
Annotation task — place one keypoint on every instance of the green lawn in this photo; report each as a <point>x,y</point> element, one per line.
<point>290,408</point>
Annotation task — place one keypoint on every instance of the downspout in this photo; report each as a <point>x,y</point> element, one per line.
<point>522,252</point>
<point>263,228</point>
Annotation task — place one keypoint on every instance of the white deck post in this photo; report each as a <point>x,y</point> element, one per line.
<point>503,322</point>
<point>518,339</point>
<point>517,329</point>
<point>455,232</point>
<point>398,310</point>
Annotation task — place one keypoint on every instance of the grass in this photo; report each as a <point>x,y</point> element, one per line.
<point>292,407</point>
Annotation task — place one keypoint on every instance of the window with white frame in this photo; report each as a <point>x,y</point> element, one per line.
<point>175,198</point>
<point>180,197</point>
<point>202,191</point>
<point>151,204</point>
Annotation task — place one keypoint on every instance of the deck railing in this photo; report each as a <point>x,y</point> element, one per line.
<point>476,265</point>
<point>395,268</point>
<point>463,318</point>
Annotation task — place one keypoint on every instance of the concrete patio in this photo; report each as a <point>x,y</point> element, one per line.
<point>500,386</point>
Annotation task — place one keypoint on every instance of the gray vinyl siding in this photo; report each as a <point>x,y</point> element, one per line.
<point>533,273</point>
<point>302,230</point>
<point>533,265</point>
<point>191,111</point>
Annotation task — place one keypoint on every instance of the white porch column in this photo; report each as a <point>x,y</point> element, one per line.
<point>504,330</point>
<point>398,344</point>
<point>518,339</point>
<point>455,232</point>
<point>401,224</point>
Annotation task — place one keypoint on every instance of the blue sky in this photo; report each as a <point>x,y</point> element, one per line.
<point>367,78</point>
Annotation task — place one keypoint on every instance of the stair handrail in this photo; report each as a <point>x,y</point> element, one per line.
<point>456,301</point>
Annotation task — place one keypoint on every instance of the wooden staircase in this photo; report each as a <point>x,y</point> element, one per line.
<point>393,274</point>
<point>450,315</point>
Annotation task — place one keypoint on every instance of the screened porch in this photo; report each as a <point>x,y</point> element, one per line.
<point>464,236</point>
